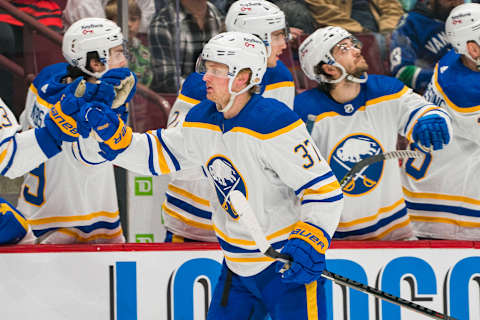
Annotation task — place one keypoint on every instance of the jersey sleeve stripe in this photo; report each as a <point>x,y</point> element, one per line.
<point>188,99</point>
<point>39,99</point>
<point>277,85</point>
<point>188,207</point>
<point>12,155</point>
<point>150,156</point>
<point>332,186</point>
<point>331,199</point>
<point>447,100</point>
<point>266,136</point>
<point>314,181</point>
<point>162,162</point>
<point>174,160</point>
<point>443,219</point>
<point>188,195</point>
<point>186,220</point>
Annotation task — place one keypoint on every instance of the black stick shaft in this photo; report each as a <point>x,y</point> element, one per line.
<point>272,253</point>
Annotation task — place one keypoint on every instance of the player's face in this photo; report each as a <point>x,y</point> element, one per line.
<point>216,79</point>
<point>117,58</point>
<point>278,44</point>
<point>348,53</point>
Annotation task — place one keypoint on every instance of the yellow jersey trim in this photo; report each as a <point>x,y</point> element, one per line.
<point>185,220</point>
<point>202,125</point>
<point>162,162</point>
<point>277,85</point>
<point>372,217</point>
<point>266,136</point>
<point>189,195</point>
<point>426,195</point>
<point>36,222</point>
<point>187,99</point>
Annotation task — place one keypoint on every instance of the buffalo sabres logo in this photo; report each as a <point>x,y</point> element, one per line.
<point>226,179</point>
<point>350,151</point>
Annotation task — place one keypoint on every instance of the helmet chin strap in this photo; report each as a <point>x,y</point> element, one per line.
<point>344,75</point>
<point>229,105</point>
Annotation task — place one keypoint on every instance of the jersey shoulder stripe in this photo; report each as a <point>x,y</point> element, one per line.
<point>449,75</point>
<point>261,117</point>
<point>193,89</point>
<point>47,85</point>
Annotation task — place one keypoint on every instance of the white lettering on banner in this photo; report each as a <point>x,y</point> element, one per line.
<point>174,285</point>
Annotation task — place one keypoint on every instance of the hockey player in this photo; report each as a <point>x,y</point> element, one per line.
<point>19,153</point>
<point>419,42</point>
<point>258,146</point>
<point>356,116</point>
<point>67,199</point>
<point>442,199</point>
<point>186,210</point>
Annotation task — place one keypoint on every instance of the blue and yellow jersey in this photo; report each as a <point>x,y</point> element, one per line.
<point>266,153</point>
<point>441,189</point>
<point>187,209</point>
<point>73,192</point>
<point>368,125</point>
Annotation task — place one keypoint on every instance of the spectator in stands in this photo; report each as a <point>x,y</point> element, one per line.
<point>378,17</point>
<point>357,16</point>
<point>419,42</point>
<point>173,59</point>
<point>442,191</point>
<point>139,58</point>
<point>354,116</point>
<point>78,9</point>
<point>46,12</point>
<point>67,199</point>
<point>186,210</point>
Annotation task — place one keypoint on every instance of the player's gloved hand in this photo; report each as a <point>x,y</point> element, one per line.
<point>112,133</point>
<point>306,245</point>
<point>431,130</point>
<point>124,82</point>
<point>13,225</point>
<point>102,92</point>
<point>61,120</point>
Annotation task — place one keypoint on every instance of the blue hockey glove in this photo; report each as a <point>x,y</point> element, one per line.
<point>13,225</point>
<point>124,82</point>
<point>60,121</point>
<point>431,130</point>
<point>306,245</point>
<point>113,134</point>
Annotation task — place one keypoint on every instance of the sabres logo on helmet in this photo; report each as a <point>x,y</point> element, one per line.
<point>226,178</point>
<point>348,152</point>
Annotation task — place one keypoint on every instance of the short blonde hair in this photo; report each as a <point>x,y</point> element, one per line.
<point>111,10</point>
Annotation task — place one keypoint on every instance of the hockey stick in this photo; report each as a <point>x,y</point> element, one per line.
<point>377,158</point>
<point>249,221</point>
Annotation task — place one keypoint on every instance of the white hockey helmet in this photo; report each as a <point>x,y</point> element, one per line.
<point>318,47</point>
<point>238,51</point>
<point>462,26</point>
<point>87,35</point>
<point>258,17</point>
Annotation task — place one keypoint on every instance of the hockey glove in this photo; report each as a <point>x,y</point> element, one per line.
<point>124,82</point>
<point>431,130</point>
<point>13,225</point>
<point>112,133</point>
<point>60,121</point>
<point>306,245</point>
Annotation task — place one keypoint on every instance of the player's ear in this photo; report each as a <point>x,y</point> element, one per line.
<point>95,65</point>
<point>473,49</point>
<point>332,71</point>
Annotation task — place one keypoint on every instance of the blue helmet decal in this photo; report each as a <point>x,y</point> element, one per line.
<point>348,152</point>
<point>226,178</point>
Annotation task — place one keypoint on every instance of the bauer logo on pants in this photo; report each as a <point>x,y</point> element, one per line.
<point>226,178</point>
<point>348,152</point>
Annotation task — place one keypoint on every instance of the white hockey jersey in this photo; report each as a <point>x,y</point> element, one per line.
<point>71,190</point>
<point>186,210</point>
<point>368,125</point>
<point>21,152</point>
<point>266,153</point>
<point>441,190</point>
